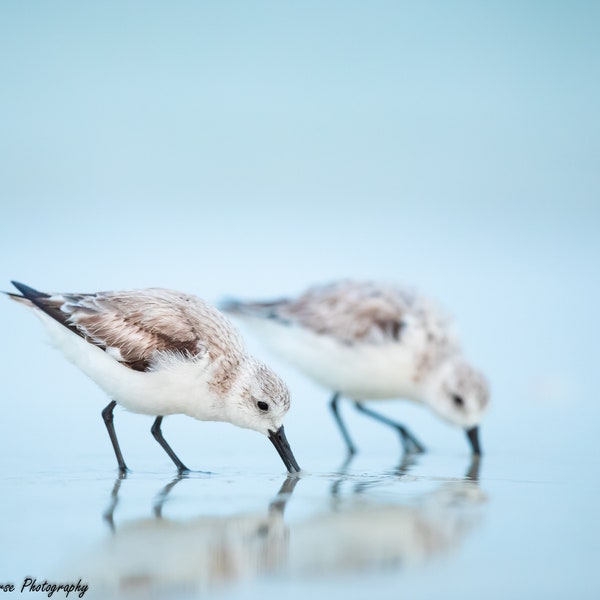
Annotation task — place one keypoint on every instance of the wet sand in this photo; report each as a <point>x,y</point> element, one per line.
<point>431,526</point>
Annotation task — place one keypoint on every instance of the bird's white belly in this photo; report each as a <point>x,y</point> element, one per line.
<point>359,371</point>
<point>178,390</point>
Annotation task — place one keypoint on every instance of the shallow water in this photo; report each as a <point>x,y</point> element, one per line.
<point>430,526</point>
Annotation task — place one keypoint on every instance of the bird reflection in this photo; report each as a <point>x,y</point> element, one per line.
<point>108,515</point>
<point>368,531</point>
<point>186,555</point>
<point>363,522</point>
<point>409,460</point>
<point>161,497</point>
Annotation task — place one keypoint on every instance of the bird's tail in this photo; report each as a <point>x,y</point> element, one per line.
<point>28,294</point>
<point>16,297</point>
<point>251,309</point>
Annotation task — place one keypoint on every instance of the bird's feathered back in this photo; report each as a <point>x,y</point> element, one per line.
<point>137,326</point>
<point>352,312</point>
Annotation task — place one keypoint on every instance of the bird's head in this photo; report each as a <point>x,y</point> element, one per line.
<point>261,402</point>
<point>460,395</point>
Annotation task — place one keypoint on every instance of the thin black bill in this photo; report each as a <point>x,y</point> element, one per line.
<point>473,437</point>
<point>280,442</point>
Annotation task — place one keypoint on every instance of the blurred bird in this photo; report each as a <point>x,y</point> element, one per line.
<point>159,352</point>
<point>369,341</point>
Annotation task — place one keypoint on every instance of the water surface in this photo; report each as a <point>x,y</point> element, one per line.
<point>429,526</point>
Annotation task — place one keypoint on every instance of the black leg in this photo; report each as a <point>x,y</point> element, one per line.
<point>338,419</point>
<point>409,442</point>
<point>473,472</point>
<point>107,415</point>
<point>158,436</point>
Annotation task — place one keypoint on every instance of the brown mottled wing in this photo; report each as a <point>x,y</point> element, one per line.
<point>137,324</point>
<point>348,311</point>
<point>352,312</point>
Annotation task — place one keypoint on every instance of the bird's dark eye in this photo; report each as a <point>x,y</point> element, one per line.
<point>263,406</point>
<point>458,400</point>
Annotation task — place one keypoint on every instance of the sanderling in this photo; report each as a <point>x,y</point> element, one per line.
<point>368,341</point>
<point>160,352</point>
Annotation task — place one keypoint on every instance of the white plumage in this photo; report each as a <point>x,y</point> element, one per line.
<point>161,352</point>
<point>370,341</point>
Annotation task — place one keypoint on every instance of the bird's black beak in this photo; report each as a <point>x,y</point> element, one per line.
<point>473,437</point>
<point>283,448</point>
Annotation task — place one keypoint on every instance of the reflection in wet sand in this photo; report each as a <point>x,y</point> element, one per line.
<point>362,532</point>
<point>198,553</point>
<point>359,529</point>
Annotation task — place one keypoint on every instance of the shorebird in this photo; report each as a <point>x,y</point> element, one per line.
<point>159,352</point>
<point>369,341</point>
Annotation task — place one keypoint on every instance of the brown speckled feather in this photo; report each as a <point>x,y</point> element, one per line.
<point>137,326</point>
<point>370,313</point>
<point>353,312</point>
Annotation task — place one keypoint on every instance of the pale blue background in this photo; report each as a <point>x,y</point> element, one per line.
<point>253,148</point>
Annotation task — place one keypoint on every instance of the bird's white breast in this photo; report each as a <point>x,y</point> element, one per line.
<point>359,371</point>
<point>180,389</point>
